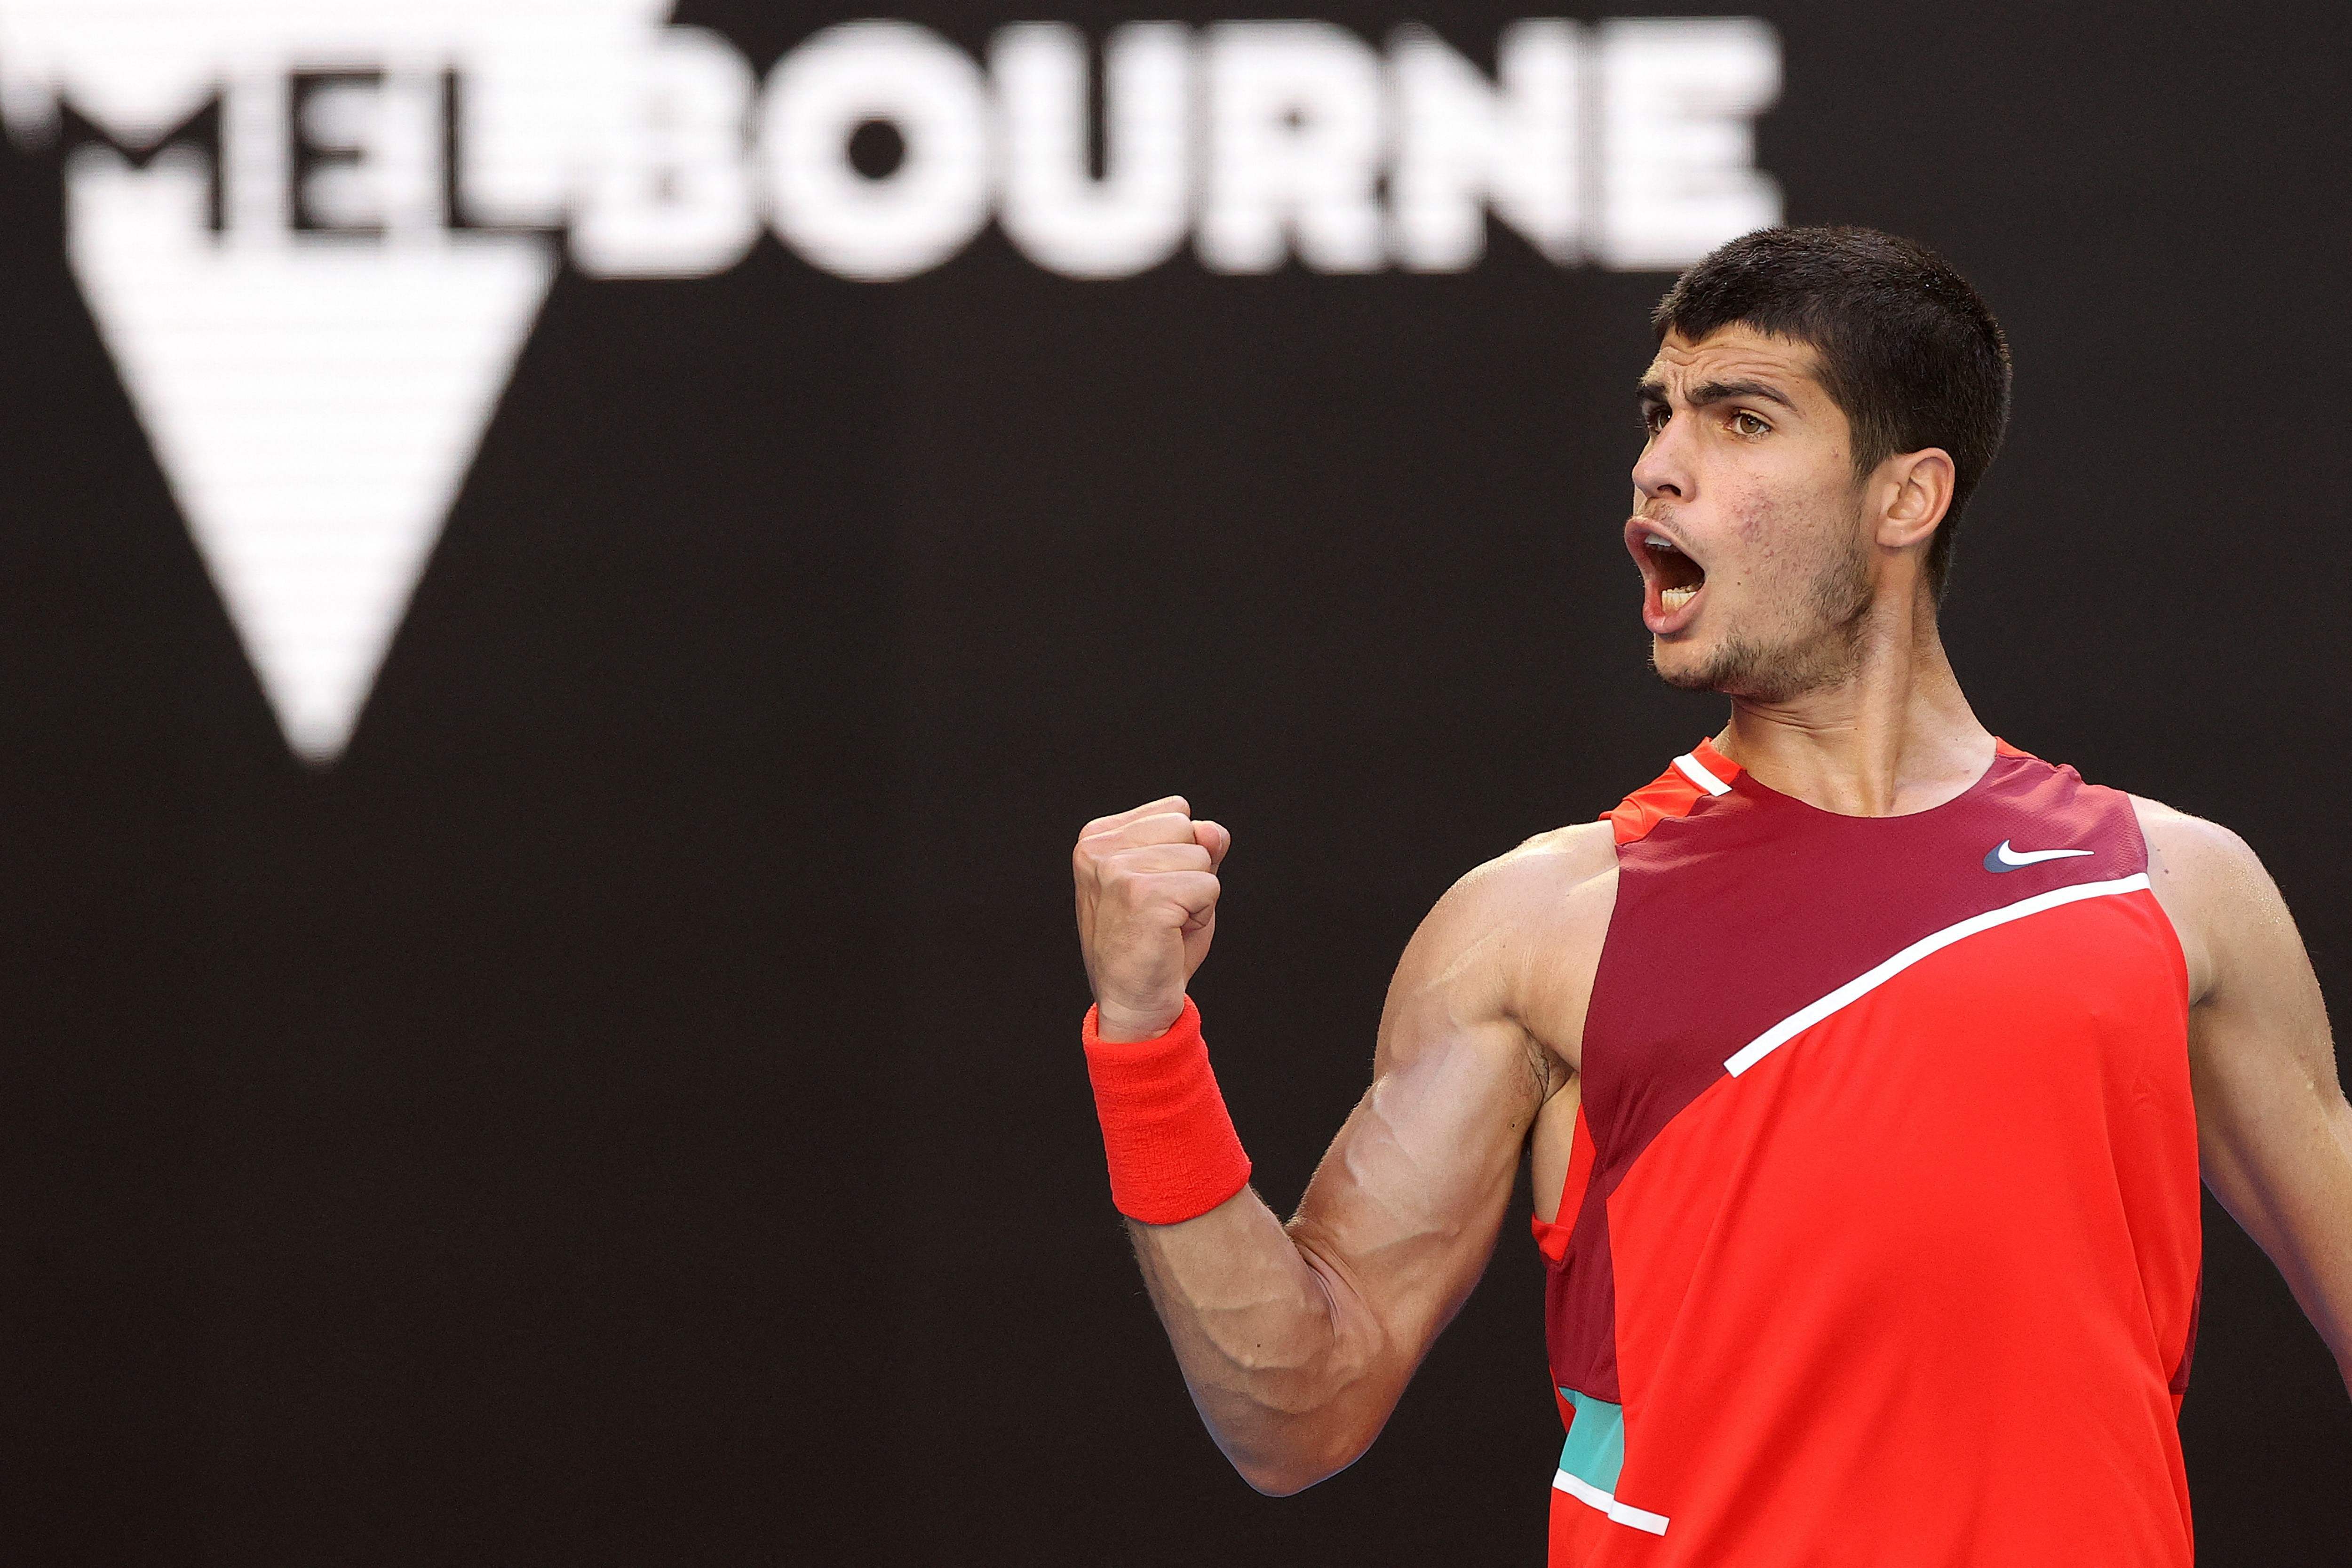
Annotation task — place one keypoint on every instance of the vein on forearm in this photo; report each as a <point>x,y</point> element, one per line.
<point>1264,1327</point>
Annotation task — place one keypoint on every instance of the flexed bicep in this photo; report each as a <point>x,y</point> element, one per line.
<point>1408,1201</point>
<point>1297,1340</point>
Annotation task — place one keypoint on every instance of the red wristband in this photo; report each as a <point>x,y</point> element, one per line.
<point>1173,1152</point>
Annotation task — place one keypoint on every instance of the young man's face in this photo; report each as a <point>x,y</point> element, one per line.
<point>1747,518</point>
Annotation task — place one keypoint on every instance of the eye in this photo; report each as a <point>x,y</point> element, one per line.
<point>1654,418</point>
<point>1748,423</point>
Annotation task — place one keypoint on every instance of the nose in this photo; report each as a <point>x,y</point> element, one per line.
<point>1664,467</point>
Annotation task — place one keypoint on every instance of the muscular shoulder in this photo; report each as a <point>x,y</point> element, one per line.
<point>1554,882</point>
<point>2211,883</point>
<point>1560,860</point>
<point>1516,941</point>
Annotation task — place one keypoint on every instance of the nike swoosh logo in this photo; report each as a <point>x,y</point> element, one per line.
<point>2001,857</point>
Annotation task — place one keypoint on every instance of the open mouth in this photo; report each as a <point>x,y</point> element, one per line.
<point>1674,579</point>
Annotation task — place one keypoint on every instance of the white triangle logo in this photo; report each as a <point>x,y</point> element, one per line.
<point>315,413</point>
<point>315,391</point>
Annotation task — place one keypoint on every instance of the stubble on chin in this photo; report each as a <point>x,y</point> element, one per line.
<point>1822,648</point>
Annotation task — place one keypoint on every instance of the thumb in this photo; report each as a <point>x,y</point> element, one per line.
<point>1213,838</point>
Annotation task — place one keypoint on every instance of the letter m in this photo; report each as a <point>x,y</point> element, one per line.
<point>199,129</point>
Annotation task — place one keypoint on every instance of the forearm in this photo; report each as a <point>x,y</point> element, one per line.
<point>1283,1363</point>
<point>1296,1340</point>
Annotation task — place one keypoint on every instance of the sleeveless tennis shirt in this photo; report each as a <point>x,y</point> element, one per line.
<point>1879,1243</point>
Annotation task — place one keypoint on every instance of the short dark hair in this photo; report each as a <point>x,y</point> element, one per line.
<point>1907,350</point>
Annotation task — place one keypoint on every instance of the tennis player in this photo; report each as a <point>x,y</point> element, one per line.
<point>1868,1063</point>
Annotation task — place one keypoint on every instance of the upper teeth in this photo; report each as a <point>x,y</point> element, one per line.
<point>1654,542</point>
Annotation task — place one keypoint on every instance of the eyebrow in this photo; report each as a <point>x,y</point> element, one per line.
<point>1652,394</point>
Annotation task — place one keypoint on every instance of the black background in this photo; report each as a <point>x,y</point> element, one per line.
<point>629,1110</point>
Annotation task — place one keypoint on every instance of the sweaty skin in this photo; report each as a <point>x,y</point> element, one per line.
<point>1815,615</point>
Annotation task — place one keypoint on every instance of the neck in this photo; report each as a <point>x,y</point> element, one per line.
<point>1894,737</point>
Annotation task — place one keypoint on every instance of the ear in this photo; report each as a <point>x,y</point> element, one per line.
<point>1915,492</point>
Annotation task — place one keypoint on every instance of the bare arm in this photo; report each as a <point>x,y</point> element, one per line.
<point>2275,1132</point>
<point>1297,1339</point>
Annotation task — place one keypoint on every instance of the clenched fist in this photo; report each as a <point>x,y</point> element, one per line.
<point>1147,910</point>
